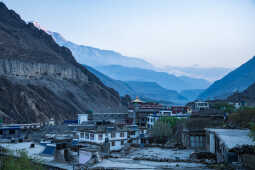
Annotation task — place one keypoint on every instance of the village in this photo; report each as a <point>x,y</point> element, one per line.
<point>148,136</point>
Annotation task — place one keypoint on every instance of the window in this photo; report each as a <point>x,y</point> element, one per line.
<point>113,143</point>
<point>91,136</point>
<point>122,142</point>
<point>100,137</point>
<point>113,135</point>
<point>122,134</point>
<point>11,131</point>
<point>87,135</point>
<point>82,135</point>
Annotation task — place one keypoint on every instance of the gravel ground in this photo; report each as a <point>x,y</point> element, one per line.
<point>127,162</point>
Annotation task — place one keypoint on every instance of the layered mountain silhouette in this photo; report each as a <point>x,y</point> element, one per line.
<point>165,80</point>
<point>127,69</point>
<point>149,91</point>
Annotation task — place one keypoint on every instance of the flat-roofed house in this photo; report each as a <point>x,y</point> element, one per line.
<point>226,143</point>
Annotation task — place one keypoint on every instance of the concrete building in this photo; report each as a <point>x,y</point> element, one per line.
<point>194,139</point>
<point>82,118</point>
<point>51,122</point>
<point>225,143</point>
<point>119,118</point>
<point>10,133</point>
<point>200,106</point>
<point>180,109</point>
<point>115,136</point>
<point>152,118</point>
<point>110,135</point>
<point>140,111</point>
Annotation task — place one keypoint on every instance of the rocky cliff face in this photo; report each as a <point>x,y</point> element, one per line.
<point>40,80</point>
<point>35,70</point>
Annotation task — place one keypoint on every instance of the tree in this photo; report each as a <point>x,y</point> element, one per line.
<point>20,163</point>
<point>252,130</point>
<point>164,128</point>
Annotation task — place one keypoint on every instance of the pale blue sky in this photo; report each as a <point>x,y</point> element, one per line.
<point>164,32</point>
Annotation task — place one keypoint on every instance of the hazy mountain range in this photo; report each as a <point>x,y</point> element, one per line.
<point>122,69</point>
<point>164,79</point>
<point>207,73</point>
<point>146,90</point>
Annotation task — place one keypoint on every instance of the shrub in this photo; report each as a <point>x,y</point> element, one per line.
<point>21,163</point>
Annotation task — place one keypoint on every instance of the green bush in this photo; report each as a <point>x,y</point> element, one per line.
<point>242,117</point>
<point>21,163</point>
<point>164,129</point>
<point>252,132</point>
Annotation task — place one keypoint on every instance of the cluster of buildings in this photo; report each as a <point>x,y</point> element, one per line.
<point>109,132</point>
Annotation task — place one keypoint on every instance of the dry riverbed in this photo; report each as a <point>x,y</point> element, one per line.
<point>153,158</point>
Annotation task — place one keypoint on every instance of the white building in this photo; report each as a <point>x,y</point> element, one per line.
<point>201,106</point>
<point>51,122</point>
<point>117,137</point>
<point>82,118</point>
<point>152,118</point>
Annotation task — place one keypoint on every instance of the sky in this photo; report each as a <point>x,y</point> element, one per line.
<point>208,33</point>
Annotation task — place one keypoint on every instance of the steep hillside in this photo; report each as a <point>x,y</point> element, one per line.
<point>238,80</point>
<point>247,96</point>
<point>165,80</point>
<point>40,80</point>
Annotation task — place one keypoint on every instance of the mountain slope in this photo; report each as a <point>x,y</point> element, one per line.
<point>153,91</point>
<point>165,80</point>
<point>237,80</point>
<point>191,94</point>
<point>247,96</point>
<point>121,86</point>
<point>40,80</point>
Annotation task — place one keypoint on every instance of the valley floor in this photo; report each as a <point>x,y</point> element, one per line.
<point>130,161</point>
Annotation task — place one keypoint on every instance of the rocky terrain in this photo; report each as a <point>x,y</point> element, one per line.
<point>40,80</point>
<point>247,96</point>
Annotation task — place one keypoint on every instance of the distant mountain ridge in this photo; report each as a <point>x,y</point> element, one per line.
<point>237,80</point>
<point>147,90</point>
<point>210,73</point>
<point>165,80</point>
